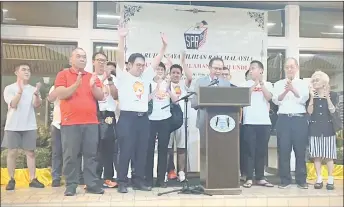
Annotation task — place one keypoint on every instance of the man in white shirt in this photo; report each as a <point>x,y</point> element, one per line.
<point>133,124</point>
<point>291,95</point>
<point>180,88</point>
<point>257,125</point>
<point>21,126</point>
<point>107,120</point>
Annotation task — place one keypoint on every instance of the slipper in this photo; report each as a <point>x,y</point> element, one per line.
<point>265,183</point>
<point>247,185</point>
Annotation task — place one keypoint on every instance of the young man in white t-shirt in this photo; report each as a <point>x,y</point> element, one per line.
<point>257,125</point>
<point>180,88</point>
<point>21,126</point>
<point>133,124</point>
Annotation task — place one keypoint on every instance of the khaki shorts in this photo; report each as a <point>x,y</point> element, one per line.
<point>25,140</point>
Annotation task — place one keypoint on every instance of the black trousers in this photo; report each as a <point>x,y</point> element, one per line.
<point>256,137</point>
<point>161,128</point>
<point>133,137</point>
<point>243,151</point>
<point>107,145</point>
<point>292,133</point>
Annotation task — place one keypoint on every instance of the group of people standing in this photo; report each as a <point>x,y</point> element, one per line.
<point>85,128</point>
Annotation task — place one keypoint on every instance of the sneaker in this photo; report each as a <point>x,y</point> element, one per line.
<point>56,183</point>
<point>302,186</point>
<point>109,184</point>
<point>181,176</point>
<point>284,186</point>
<point>70,191</point>
<point>11,184</point>
<point>36,184</point>
<point>172,175</point>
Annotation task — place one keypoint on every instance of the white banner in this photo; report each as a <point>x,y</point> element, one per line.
<point>237,35</point>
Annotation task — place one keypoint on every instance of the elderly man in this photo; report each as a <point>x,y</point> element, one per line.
<point>78,92</point>
<point>291,95</point>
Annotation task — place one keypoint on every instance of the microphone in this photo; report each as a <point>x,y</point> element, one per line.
<point>214,81</point>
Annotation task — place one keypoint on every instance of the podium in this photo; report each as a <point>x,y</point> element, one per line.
<point>219,146</point>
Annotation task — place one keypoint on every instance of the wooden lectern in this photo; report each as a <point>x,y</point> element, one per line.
<point>219,151</point>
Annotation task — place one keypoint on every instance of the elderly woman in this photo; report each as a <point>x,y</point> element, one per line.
<point>321,131</point>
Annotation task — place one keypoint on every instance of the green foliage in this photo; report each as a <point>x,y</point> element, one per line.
<point>43,151</point>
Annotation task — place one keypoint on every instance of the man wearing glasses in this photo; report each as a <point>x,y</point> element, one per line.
<point>216,66</point>
<point>107,120</point>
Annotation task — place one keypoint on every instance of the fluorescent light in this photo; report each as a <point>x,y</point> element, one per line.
<point>270,24</point>
<point>108,47</point>
<point>4,10</point>
<point>108,16</point>
<point>10,19</point>
<point>332,33</point>
<point>338,26</point>
<point>306,55</point>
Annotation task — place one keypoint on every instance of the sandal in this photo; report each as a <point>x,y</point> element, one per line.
<point>319,185</point>
<point>329,186</point>
<point>248,184</point>
<point>265,183</point>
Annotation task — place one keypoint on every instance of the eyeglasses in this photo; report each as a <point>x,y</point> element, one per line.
<point>217,68</point>
<point>101,60</point>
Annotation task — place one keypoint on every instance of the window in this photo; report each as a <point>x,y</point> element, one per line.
<point>108,48</point>
<point>329,62</point>
<point>46,60</point>
<point>106,15</point>
<point>321,24</point>
<point>275,65</point>
<point>276,23</point>
<point>51,14</point>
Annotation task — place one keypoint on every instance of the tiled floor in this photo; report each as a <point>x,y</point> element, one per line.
<point>256,196</point>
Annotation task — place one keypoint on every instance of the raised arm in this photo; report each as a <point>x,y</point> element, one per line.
<point>162,51</point>
<point>120,55</point>
<point>37,100</point>
<point>12,98</point>
<point>52,95</point>
<point>187,71</point>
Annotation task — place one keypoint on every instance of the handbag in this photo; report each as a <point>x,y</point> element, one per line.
<point>176,120</point>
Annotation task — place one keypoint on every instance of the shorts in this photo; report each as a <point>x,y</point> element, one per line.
<point>25,140</point>
<point>178,137</point>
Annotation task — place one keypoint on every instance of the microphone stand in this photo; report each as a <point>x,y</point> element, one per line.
<point>186,189</point>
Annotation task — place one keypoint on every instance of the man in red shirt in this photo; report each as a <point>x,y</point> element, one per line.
<point>78,91</point>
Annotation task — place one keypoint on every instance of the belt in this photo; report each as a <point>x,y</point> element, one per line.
<point>293,115</point>
<point>134,112</point>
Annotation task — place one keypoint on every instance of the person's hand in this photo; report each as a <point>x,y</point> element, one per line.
<point>183,56</point>
<point>327,90</point>
<point>163,39</point>
<point>107,74</point>
<point>123,32</point>
<point>38,87</point>
<point>78,79</point>
<point>93,79</point>
<point>311,91</point>
<point>289,86</point>
<point>20,86</point>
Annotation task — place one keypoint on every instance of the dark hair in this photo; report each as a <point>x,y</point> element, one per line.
<point>214,59</point>
<point>17,66</point>
<point>260,64</point>
<point>98,53</point>
<point>246,73</point>
<point>176,66</point>
<point>111,63</point>
<point>161,64</point>
<point>134,56</point>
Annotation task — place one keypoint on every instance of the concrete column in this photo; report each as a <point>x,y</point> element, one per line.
<point>292,31</point>
<point>85,25</point>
